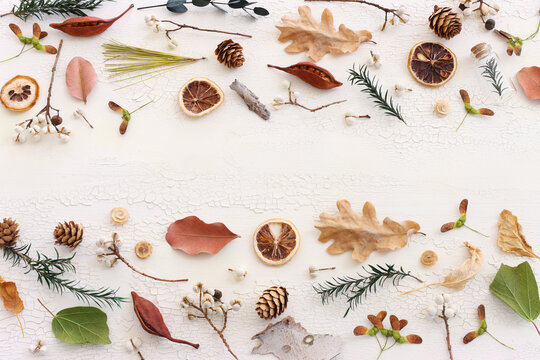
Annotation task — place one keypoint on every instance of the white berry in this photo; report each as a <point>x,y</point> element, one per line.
<point>439,299</point>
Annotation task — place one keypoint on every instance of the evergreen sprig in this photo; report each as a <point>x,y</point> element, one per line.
<point>491,71</point>
<point>50,271</point>
<point>372,87</point>
<point>355,288</point>
<point>38,8</point>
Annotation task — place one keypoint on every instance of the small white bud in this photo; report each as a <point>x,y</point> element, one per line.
<point>65,138</point>
<point>447,298</point>
<point>371,62</point>
<point>296,94</point>
<point>196,289</point>
<point>240,272</point>
<point>19,129</point>
<point>174,42</point>
<point>439,299</point>
<point>100,251</point>
<point>51,129</point>
<point>378,65</point>
<point>147,18</point>
<point>496,6</point>
<point>41,120</point>
<point>432,311</point>
<point>172,45</point>
<point>279,99</point>
<point>36,128</point>
<point>153,17</point>
<point>236,307</point>
<point>286,84</point>
<point>206,304</point>
<point>151,23</point>
<point>450,312</point>
<point>22,138</point>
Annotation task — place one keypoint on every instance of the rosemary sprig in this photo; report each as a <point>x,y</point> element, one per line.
<point>372,87</point>
<point>38,8</point>
<point>354,288</point>
<point>491,72</point>
<point>50,270</point>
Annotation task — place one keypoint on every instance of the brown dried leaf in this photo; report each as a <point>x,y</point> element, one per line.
<point>458,278</point>
<point>319,39</point>
<point>288,340</point>
<point>363,234</point>
<point>529,79</point>
<point>80,78</point>
<point>194,236</point>
<point>510,237</point>
<point>10,296</point>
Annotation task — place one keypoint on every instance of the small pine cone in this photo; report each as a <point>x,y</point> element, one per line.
<point>445,22</point>
<point>9,232</point>
<point>230,53</point>
<point>68,234</point>
<point>272,302</point>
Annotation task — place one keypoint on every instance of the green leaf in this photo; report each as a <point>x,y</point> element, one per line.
<point>517,287</point>
<point>81,324</point>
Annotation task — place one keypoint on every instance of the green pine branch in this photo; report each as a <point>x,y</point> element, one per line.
<point>374,90</point>
<point>490,71</point>
<point>38,8</point>
<point>357,288</point>
<point>50,271</point>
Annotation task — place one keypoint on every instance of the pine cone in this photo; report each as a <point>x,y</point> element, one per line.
<point>230,53</point>
<point>68,234</point>
<point>9,232</point>
<point>272,302</point>
<point>444,22</point>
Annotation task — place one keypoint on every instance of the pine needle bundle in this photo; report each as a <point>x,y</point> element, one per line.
<point>122,60</point>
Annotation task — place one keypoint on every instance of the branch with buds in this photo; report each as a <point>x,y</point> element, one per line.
<point>445,312</point>
<point>209,303</point>
<point>293,100</point>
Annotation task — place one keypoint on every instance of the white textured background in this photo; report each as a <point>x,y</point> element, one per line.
<point>232,166</point>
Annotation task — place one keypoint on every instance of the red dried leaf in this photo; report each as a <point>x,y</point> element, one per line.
<point>194,236</point>
<point>529,79</point>
<point>80,78</point>
<point>152,321</point>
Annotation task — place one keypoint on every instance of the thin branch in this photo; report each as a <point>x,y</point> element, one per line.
<point>42,304</point>
<point>184,26</point>
<point>445,318</point>
<point>136,349</point>
<point>293,101</point>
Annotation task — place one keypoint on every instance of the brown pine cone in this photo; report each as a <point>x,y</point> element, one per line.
<point>445,22</point>
<point>230,53</point>
<point>9,232</point>
<point>68,234</point>
<point>272,302</point>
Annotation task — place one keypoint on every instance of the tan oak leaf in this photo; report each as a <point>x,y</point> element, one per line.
<point>510,237</point>
<point>363,234</point>
<point>319,38</point>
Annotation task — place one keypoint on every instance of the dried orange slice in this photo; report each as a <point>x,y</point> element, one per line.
<point>199,96</point>
<point>20,93</point>
<point>432,64</point>
<point>276,241</point>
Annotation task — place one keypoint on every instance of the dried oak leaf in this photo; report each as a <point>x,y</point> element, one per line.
<point>80,78</point>
<point>194,236</point>
<point>363,234</point>
<point>319,39</point>
<point>529,79</point>
<point>288,340</point>
<point>510,237</point>
<point>10,296</point>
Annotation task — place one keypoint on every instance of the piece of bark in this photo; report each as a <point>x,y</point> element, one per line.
<point>251,100</point>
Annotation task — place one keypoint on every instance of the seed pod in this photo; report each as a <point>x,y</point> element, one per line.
<point>360,330</point>
<point>463,206</point>
<point>470,337</point>
<point>465,96</point>
<point>484,111</point>
<point>56,120</point>
<point>414,339</point>
<point>448,226</point>
<point>481,312</point>
<point>376,321</point>
<point>312,74</point>
<point>87,25</point>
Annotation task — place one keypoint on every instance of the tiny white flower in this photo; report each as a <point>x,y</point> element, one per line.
<point>378,65</point>
<point>147,18</point>
<point>439,299</point>
<point>196,289</point>
<point>279,99</point>
<point>206,304</point>
<point>447,298</point>
<point>371,62</point>
<point>19,129</point>
<point>153,17</point>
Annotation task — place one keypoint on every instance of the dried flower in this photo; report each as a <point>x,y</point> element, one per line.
<point>119,215</point>
<point>38,347</point>
<point>442,108</point>
<point>351,117</point>
<point>240,272</point>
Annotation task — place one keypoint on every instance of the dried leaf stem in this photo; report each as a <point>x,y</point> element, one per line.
<point>387,11</point>
<point>185,26</point>
<point>136,349</point>
<point>115,251</point>
<point>294,101</point>
<point>445,319</point>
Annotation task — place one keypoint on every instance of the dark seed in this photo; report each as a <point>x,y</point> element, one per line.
<point>490,24</point>
<point>24,96</point>
<point>11,92</point>
<point>462,7</point>
<point>56,120</point>
<point>26,87</point>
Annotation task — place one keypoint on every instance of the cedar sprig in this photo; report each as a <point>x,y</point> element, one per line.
<point>490,71</point>
<point>356,288</point>
<point>371,86</point>
<point>38,8</point>
<point>50,271</point>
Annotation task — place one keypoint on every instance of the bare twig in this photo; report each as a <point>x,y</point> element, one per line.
<point>387,11</point>
<point>293,101</point>
<point>184,26</point>
<point>445,318</point>
<point>136,349</point>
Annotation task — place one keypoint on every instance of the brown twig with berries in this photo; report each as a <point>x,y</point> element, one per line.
<point>54,120</point>
<point>208,304</point>
<point>185,26</point>
<point>396,13</point>
<point>115,251</point>
<point>294,101</point>
<point>445,319</point>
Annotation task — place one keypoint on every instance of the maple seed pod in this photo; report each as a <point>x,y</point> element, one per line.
<point>376,321</point>
<point>394,321</point>
<point>463,206</point>
<point>360,330</point>
<point>414,339</point>
<point>448,226</point>
<point>484,111</point>
<point>381,315</point>
<point>481,312</point>
<point>470,337</point>
<point>465,96</point>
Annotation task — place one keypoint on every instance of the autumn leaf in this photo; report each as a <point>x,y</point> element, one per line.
<point>529,79</point>
<point>319,39</point>
<point>80,78</point>
<point>194,236</point>
<point>11,299</point>
<point>510,237</point>
<point>460,276</point>
<point>363,234</point>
